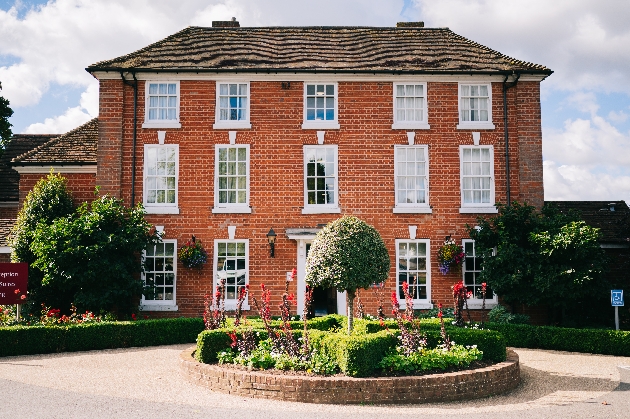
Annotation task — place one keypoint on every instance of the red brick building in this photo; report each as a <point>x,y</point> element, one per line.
<point>224,133</point>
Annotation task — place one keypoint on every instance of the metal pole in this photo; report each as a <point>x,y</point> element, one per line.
<point>616,318</point>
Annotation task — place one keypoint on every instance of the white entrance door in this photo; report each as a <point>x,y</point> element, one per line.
<point>303,244</point>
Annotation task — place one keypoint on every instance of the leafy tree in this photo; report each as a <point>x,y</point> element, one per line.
<point>347,254</point>
<point>92,256</point>
<point>48,200</point>
<point>5,125</point>
<point>547,257</point>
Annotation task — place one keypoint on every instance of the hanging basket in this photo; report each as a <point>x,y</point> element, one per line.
<point>192,254</point>
<point>450,255</point>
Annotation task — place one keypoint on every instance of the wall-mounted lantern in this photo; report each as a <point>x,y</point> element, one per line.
<point>271,238</point>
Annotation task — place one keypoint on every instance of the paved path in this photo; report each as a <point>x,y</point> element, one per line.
<point>146,383</point>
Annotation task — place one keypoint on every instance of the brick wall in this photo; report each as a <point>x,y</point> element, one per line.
<point>365,171</point>
<point>81,185</point>
<point>9,213</point>
<point>463,385</point>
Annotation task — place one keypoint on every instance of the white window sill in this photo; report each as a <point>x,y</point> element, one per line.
<point>321,210</point>
<point>479,210</point>
<point>477,304</point>
<point>162,124</point>
<point>159,307</point>
<point>232,210</point>
<point>161,210</point>
<point>475,125</point>
<point>232,125</point>
<point>417,304</point>
<point>405,125</point>
<point>412,210</point>
<point>320,125</point>
<point>230,306</point>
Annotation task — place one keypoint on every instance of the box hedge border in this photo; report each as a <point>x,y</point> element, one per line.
<point>30,340</point>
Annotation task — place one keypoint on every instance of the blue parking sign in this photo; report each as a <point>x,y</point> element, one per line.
<point>616,298</point>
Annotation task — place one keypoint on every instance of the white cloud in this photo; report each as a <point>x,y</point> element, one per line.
<point>617,117</point>
<point>576,183</point>
<point>72,118</point>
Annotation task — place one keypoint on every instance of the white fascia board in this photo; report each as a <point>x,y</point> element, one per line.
<point>58,169</point>
<point>314,77</point>
<point>5,249</point>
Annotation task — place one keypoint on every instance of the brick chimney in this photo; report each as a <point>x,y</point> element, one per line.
<point>409,24</point>
<point>226,23</point>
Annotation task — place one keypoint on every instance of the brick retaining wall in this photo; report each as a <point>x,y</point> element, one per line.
<point>452,386</point>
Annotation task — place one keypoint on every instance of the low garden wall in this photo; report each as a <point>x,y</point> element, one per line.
<point>461,385</point>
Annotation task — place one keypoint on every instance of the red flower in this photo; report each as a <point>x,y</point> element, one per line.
<point>293,274</point>
<point>23,297</point>
<point>17,291</point>
<point>234,338</point>
<point>440,306</point>
<point>133,317</point>
<point>440,314</point>
<point>483,285</point>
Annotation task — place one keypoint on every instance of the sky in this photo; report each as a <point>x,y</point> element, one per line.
<point>46,46</point>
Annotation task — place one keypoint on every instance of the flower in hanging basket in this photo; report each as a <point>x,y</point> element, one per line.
<point>449,255</point>
<point>192,254</point>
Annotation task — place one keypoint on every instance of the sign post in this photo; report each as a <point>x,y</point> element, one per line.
<point>616,299</point>
<point>13,283</point>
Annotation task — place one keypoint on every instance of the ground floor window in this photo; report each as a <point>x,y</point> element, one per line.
<point>413,268</point>
<point>231,263</point>
<point>471,269</point>
<point>159,276</point>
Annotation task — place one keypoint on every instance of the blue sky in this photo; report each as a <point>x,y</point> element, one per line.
<point>45,47</point>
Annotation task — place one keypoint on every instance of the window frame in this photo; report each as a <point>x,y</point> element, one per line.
<point>321,208</point>
<point>160,208</point>
<point>161,123</point>
<point>161,305</point>
<point>229,124</point>
<point>321,124</point>
<point>477,208</point>
<point>424,124</point>
<point>474,124</point>
<point>420,303</point>
<point>236,208</point>
<point>476,303</point>
<point>414,208</point>
<point>230,304</point>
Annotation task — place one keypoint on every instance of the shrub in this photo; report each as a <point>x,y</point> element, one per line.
<point>29,340</point>
<point>500,315</point>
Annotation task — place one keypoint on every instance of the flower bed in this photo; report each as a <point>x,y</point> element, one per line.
<point>461,385</point>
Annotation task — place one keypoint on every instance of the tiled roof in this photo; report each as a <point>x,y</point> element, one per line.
<point>611,217</point>
<point>320,49</point>
<point>75,147</point>
<point>5,229</point>
<point>10,179</point>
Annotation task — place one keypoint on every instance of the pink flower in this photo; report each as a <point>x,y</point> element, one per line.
<point>17,291</point>
<point>23,297</point>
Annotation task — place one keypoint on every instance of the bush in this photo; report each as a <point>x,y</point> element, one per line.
<point>595,341</point>
<point>500,315</point>
<point>29,340</point>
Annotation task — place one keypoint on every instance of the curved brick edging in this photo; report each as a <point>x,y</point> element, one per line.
<point>451,386</point>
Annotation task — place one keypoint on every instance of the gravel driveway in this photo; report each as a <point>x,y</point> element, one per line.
<point>146,383</point>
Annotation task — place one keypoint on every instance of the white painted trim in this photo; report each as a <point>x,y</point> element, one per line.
<point>9,204</point>
<point>322,124</point>
<point>229,124</point>
<point>158,307</point>
<point>408,125</point>
<point>57,169</point>
<point>301,76</point>
<point>226,208</point>
<point>418,303</point>
<point>162,305</point>
<point>161,123</point>
<point>412,208</point>
<point>5,249</point>
<point>230,304</point>
<point>321,208</point>
<point>475,125</point>
<point>476,208</point>
<point>160,208</point>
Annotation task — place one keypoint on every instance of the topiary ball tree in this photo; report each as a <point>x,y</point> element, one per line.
<point>347,254</point>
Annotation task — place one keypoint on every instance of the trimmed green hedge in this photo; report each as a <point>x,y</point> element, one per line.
<point>595,341</point>
<point>29,340</point>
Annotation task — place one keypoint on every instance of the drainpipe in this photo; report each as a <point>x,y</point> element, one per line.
<point>506,86</point>
<point>135,133</point>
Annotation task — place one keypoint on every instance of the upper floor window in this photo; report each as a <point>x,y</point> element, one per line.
<point>160,277</point>
<point>231,186</point>
<point>477,179</point>
<point>411,165</point>
<point>413,268</point>
<point>320,179</point>
<point>410,106</point>
<point>161,171</point>
<point>471,269</point>
<point>162,105</point>
<point>231,263</point>
<point>475,106</point>
<point>320,106</point>
<point>232,106</point>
